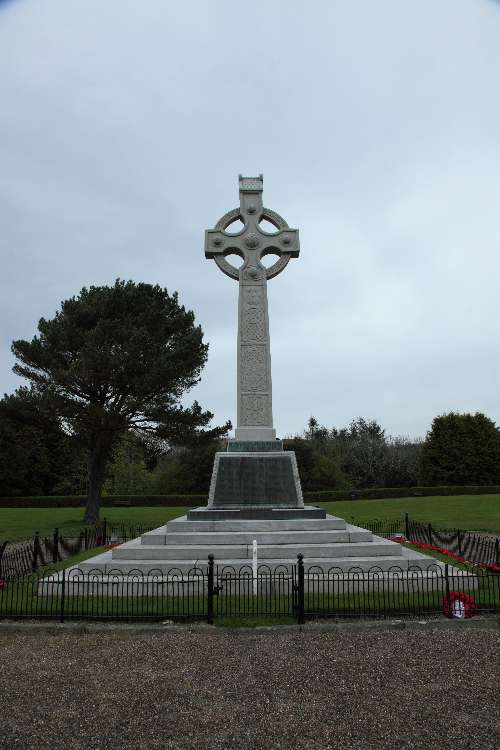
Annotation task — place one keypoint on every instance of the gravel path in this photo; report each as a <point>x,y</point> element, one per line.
<point>352,689</point>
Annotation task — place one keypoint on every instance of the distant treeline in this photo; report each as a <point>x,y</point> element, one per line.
<point>192,500</point>
<point>459,449</point>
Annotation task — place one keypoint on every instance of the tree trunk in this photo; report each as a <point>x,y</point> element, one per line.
<point>100,452</point>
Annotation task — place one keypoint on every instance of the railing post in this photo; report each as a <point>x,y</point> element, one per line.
<point>85,539</point>
<point>55,541</point>
<point>210,591</point>
<point>104,531</point>
<point>429,533</point>
<point>459,542</point>
<point>36,547</point>
<point>447,582</point>
<point>3,547</point>
<point>497,551</point>
<point>407,526</point>
<point>63,593</point>
<point>300,593</point>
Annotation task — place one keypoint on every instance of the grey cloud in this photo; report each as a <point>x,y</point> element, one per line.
<point>376,126</point>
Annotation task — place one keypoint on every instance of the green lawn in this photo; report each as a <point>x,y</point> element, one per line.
<point>472,512</point>
<point>21,523</point>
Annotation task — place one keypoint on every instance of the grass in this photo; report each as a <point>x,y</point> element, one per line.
<point>21,523</point>
<point>470,512</point>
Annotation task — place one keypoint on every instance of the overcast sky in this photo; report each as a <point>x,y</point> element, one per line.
<point>124,126</point>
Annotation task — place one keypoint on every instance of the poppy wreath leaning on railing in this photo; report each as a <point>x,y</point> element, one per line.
<point>459,604</point>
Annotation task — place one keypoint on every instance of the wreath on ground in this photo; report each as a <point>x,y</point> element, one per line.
<point>458,604</point>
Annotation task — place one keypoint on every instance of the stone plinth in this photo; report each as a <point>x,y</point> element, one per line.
<point>255,478</point>
<point>262,514</point>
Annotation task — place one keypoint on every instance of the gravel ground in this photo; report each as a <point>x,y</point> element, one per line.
<point>352,689</point>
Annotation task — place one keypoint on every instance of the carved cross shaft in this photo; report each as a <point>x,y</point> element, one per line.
<point>255,419</point>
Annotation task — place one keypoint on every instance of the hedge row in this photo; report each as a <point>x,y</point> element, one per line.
<point>382,493</point>
<point>108,501</point>
<point>190,501</point>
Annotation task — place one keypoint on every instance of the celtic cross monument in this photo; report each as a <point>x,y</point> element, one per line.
<point>255,417</point>
<point>255,470</point>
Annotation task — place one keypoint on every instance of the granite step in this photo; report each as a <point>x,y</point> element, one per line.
<point>321,524</point>
<point>136,551</point>
<point>262,537</point>
<point>104,563</point>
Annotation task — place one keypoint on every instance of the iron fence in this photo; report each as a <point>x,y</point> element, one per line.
<point>470,546</point>
<point>474,547</point>
<point>381,526</point>
<point>28,556</point>
<point>220,593</point>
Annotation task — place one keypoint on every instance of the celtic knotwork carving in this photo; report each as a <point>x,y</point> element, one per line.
<point>252,273</point>
<point>227,268</point>
<point>228,219</point>
<point>251,183</point>
<point>252,240</point>
<point>277,267</point>
<point>251,244</point>
<point>274,218</point>
<point>253,324</point>
<point>253,368</point>
<point>254,410</point>
<point>253,294</point>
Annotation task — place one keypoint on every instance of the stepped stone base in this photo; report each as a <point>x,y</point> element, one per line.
<point>184,544</point>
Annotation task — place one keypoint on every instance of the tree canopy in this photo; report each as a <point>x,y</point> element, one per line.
<point>113,359</point>
<point>461,449</point>
<point>36,456</point>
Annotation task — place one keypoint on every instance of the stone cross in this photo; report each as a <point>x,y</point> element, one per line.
<point>252,243</point>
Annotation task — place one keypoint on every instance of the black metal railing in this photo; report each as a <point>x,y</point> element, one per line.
<point>469,546</point>
<point>472,546</point>
<point>220,593</point>
<point>30,555</point>
<point>24,557</point>
<point>381,527</point>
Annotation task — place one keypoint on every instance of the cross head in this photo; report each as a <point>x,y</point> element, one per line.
<point>252,243</point>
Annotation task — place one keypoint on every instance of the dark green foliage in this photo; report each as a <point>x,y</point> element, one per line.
<point>461,448</point>
<point>365,452</point>
<point>113,359</point>
<point>304,453</point>
<point>36,455</point>
<point>128,473</point>
<point>402,462</point>
<point>184,500</point>
<point>107,501</point>
<point>187,469</point>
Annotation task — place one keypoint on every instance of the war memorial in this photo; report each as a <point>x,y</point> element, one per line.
<point>255,493</point>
